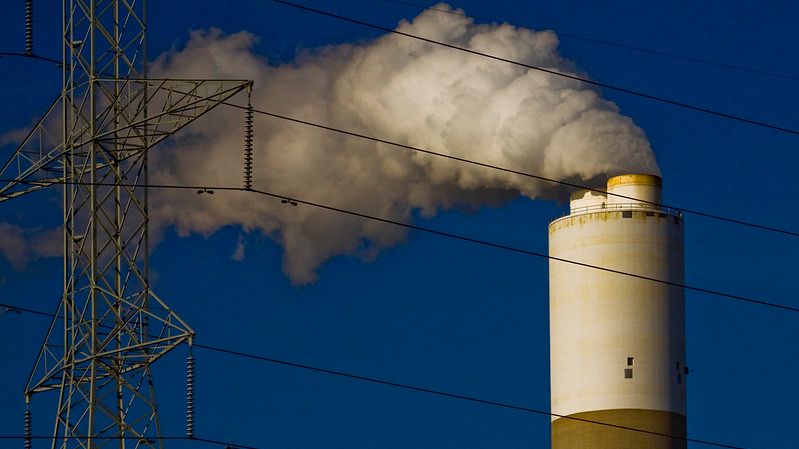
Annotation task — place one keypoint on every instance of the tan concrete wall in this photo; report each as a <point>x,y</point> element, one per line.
<point>599,319</point>
<point>573,434</point>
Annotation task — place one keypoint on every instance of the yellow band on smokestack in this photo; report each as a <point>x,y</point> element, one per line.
<point>634,188</point>
<point>636,179</point>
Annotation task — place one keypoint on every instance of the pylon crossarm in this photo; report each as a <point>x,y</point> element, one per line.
<point>47,361</point>
<point>178,102</point>
<point>36,158</point>
<point>172,314</point>
<point>39,154</point>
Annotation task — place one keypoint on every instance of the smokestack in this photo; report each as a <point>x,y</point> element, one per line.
<point>617,343</point>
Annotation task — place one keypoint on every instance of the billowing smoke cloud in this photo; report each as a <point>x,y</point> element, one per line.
<point>402,90</point>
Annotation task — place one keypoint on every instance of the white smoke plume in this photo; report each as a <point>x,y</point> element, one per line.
<point>398,89</point>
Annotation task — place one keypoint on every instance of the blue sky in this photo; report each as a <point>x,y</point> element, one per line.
<point>447,315</point>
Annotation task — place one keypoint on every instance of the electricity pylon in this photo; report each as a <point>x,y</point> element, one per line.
<point>94,142</point>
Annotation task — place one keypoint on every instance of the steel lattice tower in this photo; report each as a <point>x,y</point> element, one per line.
<point>94,142</point>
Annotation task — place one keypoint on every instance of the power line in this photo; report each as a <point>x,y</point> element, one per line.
<point>607,43</point>
<point>545,70</point>
<point>494,167</point>
<point>512,171</point>
<point>227,444</point>
<point>294,201</point>
<point>12,308</point>
<point>460,159</point>
<point>421,390</point>
<point>520,173</point>
<point>573,36</point>
<point>509,170</point>
<point>451,395</point>
<point>31,56</point>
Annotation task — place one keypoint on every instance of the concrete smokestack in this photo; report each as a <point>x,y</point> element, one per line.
<point>617,343</point>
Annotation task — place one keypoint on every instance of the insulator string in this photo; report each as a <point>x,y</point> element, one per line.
<point>28,27</point>
<point>248,114</point>
<point>190,395</point>
<point>28,426</point>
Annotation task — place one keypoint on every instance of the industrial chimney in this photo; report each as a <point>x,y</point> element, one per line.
<point>617,342</point>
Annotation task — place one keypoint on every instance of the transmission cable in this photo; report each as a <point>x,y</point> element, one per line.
<point>518,172</point>
<point>227,444</point>
<point>607,43</point>
<point>532,67</point>
<point>249,109</point>
<point>419,389</point>
<point>736,221</point>
<point>452,395</point>
<point>31,56</point>
<point>616,88</point>
<point>294,201</point>
<point>469,161</point>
